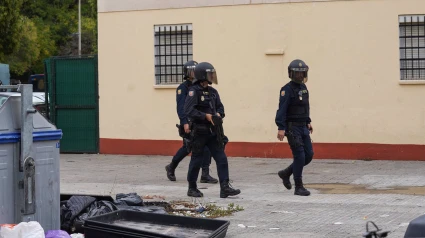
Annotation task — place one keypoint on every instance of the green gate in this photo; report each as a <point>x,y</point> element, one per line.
<point>73,101</point>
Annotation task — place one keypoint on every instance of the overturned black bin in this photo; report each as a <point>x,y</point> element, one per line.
<point>130,224</point>
<point>416,228</point>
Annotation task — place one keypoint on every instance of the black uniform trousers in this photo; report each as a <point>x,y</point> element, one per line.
<point>302,149</point>
<point>182,153</point>
<point>199,143</point>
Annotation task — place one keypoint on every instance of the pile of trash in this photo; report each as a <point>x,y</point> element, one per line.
<point>32,229</point>
<point>77,209</point>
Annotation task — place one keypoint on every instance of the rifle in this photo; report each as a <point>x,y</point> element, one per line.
<point>218,126</point>
<point>218,129</point>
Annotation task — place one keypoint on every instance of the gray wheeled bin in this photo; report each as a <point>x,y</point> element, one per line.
<point>29,163</point>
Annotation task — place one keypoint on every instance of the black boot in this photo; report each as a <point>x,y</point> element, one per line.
<point>206,178</point>
<point>299,188</point>
<point>194,191</point>
<point>285,175</point>
<point>170,171</point>
<point>226,190</point>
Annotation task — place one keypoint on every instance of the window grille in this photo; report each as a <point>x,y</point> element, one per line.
<point>173,48</point>
<point>412,47</point>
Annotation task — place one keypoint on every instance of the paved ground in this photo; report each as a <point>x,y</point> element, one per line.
<point>345,194</point>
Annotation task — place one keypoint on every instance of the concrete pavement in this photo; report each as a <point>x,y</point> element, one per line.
<point>345,193</point>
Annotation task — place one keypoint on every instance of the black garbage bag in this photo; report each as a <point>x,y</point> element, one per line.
<point>131,199</point>
<point>95,209</point>
<point>76,210</point>
<point>72,208</point>
<point>151,209</point>
<point>99,208</point>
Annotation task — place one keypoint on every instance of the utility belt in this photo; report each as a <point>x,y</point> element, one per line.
<point>295,123</point>
<point>217,129</point>
<point>201,128</point>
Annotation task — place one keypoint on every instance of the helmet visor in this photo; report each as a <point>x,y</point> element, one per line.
<point>190,72</point>
<point>300,74</point>
<point>303,69</point>
<point>212,76</point>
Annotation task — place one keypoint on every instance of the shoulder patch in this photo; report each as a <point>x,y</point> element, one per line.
<point>282,93</point>
<point>179,91</point>
<point>191,93</point>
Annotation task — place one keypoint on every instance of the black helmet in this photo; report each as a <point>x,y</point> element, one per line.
<point>298,66</point>
<point>189,69</point>
<point>205,72</point>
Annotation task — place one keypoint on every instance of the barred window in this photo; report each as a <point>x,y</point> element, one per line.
<point>173,48</point>
<point>412,47</point>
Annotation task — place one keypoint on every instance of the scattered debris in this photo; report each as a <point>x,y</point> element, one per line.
<point>275,228</point>
<point>285,212</point>
<point>385,215</point>
<point>153,197</point>
<point>77,235</point>
<point>243,226</point>
<point>184,208</point>
<point>338,223</point>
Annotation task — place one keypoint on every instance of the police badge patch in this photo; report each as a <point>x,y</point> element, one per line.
<point>282,93</point>
<point>191,93</point>
<point>179,91</point>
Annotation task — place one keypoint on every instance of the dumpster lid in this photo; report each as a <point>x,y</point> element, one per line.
<point>37,97</point>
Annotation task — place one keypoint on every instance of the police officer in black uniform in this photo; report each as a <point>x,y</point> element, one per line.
<point>181,93</point>
<point>293,121</point>
<point>203,106</point>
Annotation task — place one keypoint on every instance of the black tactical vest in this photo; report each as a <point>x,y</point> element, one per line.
<point>206,103</point>
<point>298,109</point>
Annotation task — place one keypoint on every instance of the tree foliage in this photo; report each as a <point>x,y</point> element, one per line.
<point>33,30</point>
<point>9,26</point>
<point>27,49</point>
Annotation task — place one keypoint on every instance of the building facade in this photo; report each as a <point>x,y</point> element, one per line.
<point>366,78</point>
